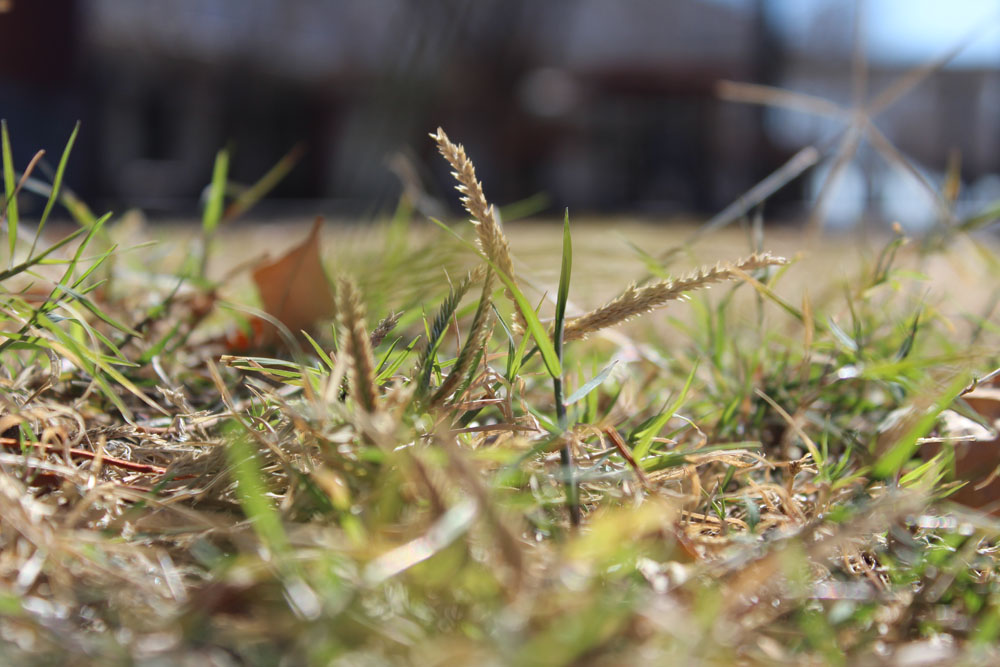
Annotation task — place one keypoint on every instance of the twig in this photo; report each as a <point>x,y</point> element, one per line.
<point>84,455</point>
<point>622,447</point>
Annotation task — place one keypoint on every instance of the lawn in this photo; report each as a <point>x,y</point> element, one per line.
<point>477,444</point>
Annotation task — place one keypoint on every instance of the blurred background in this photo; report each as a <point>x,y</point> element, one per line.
<point>604,107</point>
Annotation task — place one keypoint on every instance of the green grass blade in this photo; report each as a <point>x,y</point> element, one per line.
<point>473,345</point>
<point>679,458</point>
<point>9,189</point>
<point>565,271</point>
<point>51,302</point>
<point>385,358</point>
<point>470,374</point>
<point>987,217</point>
<point>842,336</point>
<point>217,193</point>
<point>903,449</point>
<point>562,296</point>
<point>80,356</point>
<point>393,366</point>
<point>535,327</point>
<point>320,352</point>
<point>38,259</point>
<point>515,351</point>
<point>907,345</point>
<point>592,384</point>
<point>768,293</point>
<point>646,436</point>
<point>77,208</point>
<point>160,345</point>
<point>56,185</point>
<point>525,208</point>
<point>79,297</point>
<point>94,364</point>
<point>91,232</point>
<point>246,199</point>
<point>253,495</point>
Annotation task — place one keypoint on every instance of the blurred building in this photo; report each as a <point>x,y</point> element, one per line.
<point>601,105</point>
<point>950,114</point>
<point>604,106</point>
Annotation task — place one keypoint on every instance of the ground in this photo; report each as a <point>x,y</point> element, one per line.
<point>748,463</point>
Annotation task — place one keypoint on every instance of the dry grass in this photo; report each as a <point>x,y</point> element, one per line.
<point>395,501</point>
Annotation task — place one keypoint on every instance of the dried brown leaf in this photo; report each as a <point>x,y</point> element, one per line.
<point>294,289</point>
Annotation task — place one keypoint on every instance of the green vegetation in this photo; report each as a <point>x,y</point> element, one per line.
<point>485,476</point>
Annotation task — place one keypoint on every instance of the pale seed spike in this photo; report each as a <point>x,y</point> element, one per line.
<point>357,344</point>
<point>491,238</point>
<point>636,301</point>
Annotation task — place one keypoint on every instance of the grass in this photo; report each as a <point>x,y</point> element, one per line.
<point>480,463</point>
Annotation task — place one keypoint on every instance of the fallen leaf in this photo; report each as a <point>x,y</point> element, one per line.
<point>293,289</point>
<point>985,401</point>
<point>977,461</point>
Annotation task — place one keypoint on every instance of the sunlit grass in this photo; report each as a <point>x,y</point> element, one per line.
<point>741,475</point>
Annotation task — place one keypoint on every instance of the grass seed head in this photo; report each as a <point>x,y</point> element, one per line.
<point>635,301</point>
<point>492,241</point>
<point>357,344</point>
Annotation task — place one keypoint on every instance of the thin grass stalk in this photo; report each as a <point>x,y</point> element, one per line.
<point>566,452</point>
<point>246,199</point>
<point>213,207</point>
<point>846,150</point>
<point>9,192</point>
<point>56,186</point>
<point>753,93</point>
<point>795,166</point>
<point>25,175</point>
<point>638,300</point>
